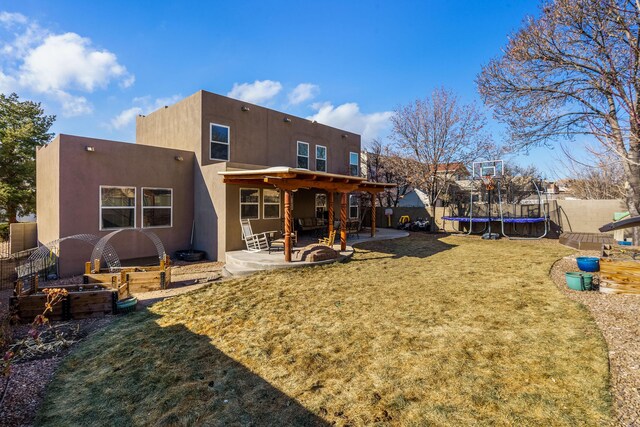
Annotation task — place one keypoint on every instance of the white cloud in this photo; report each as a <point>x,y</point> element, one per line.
<point>68,61</point>
<point>142,105</point>
<point>9,18</point>
<point>349,117</point>
<point>7,83</point>
<point>126,117</point>
<point>258,92</point>
<point>73,105</point>
<point>59,66</point>
<point>303,92</point>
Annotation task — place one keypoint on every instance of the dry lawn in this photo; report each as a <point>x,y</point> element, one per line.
<point>417,331</point>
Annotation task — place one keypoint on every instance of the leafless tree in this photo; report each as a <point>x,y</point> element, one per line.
<point>382,166</point>
<point>434,137</point>
<point>601,178</point>
<point>517,182</point>
<point>574,70</point>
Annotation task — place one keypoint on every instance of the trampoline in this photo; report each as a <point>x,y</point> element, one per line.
<point>508,220</point>
<point>490,172</point>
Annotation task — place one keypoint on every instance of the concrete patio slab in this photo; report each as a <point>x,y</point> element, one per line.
<point>242,263</point>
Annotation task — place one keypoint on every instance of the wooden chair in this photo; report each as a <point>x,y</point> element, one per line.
<point>328,241</point>
<point>255,242</point>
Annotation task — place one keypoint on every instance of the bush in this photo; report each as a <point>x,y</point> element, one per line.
<point>4,231</point>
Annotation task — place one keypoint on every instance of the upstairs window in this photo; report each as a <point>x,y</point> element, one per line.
<point>271,203</point>
<point>303,155</point>
<point>353,207</point>
<point>220,137</point>
<point>157,207</point>
<point>321,158</point>
<point>117,207</point>
<point>249,203</point>
<point>354,164</point>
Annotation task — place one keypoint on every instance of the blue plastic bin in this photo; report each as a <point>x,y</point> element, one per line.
<point>588,263</point>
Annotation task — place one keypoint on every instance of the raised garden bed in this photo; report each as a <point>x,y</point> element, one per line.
<point>83,301</point>
<point>136,279</point>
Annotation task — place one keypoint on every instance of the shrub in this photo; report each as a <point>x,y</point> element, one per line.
<point>4,231</point>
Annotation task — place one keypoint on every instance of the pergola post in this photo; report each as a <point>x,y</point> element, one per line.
<point>330,210</point>
<point>343,222</point>
<point>287,225</point>
<point>373,214</point>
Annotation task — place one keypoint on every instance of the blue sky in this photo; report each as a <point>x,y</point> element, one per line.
<point>96,65</point>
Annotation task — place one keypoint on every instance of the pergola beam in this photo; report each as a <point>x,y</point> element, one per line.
<point>295,184</point>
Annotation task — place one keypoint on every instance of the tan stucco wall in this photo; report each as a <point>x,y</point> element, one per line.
<point>177,126</point>
<point>48,191</point>
<point>233,235</point>
<point>586,216</point>
<point>117,164</point>
<point>261,137</point>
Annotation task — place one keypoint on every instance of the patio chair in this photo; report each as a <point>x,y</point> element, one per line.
<point>353,228</point>
<point>328,241</point>
<point>255,242</point>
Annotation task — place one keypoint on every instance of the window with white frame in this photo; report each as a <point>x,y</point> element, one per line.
<point>354,164</point>
<point>249,203</point>
<point>157,207</point>
<point>303,155</point>
<point>271,203</point>
<point>321,205</point>
<point>353,206</point>
<point>219,139</point>
<point>117,207</point>
<point>321,158</point>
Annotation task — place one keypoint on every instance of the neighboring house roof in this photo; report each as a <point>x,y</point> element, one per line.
<point>452,167</point>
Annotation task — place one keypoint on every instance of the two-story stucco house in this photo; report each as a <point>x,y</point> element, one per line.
<point>197,168</point>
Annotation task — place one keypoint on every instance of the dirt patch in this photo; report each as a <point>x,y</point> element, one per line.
<point>30,377</point>
<point>617,317</point>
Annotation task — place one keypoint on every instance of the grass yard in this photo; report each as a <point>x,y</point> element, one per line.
<point>424,330</point>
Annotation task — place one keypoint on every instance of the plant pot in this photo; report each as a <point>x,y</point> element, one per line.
<point>588,263</point>
<point>190,255</point>
<point>579,281</point>
<point>127,305</point>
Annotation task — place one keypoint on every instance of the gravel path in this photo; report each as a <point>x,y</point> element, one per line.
<point>618,317</point>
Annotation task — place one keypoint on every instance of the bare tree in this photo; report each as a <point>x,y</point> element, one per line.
<point>601,178</point>
<point>434,138</point>
<point>382,166</point>
<point>574,70</point>
<point>518,182</point>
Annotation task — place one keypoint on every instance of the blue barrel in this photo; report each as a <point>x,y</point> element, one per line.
<point>588,263</point>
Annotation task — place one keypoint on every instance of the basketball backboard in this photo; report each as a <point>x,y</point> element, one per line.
<point>492,168</point>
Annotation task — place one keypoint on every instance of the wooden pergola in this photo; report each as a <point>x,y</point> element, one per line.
<point>290,179</point>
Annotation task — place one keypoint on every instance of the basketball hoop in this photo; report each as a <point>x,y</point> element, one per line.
<point>489,183</point>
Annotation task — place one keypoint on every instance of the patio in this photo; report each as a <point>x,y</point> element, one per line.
<point>242,263</point>
<point>289,180</point>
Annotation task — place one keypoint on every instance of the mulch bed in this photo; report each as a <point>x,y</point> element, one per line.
<point>618,317</point>
<point>29,378</point>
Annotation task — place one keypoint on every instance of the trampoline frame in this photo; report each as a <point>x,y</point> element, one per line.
<point>544,218</point>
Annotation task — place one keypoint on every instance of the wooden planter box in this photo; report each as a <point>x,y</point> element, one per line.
<point>79,304</point>
<point>619,276</point>
<point>138,279</point>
